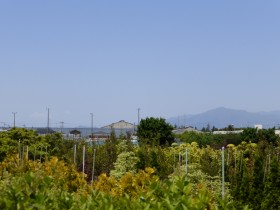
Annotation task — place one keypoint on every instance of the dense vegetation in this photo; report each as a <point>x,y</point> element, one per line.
<point>155,131</point>
<point>42,172</point>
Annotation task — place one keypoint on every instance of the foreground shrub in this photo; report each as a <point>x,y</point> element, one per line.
<point>131,184</point>
<point>66,176</point>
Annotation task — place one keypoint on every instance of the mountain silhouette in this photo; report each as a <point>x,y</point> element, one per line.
<point>222,117</point>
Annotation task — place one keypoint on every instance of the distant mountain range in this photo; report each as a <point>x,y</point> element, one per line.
<point>222,117</point>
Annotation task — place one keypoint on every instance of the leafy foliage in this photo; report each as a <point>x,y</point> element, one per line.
<point>132,184</point>
<point>213,140</point>
<point>126,162</point>
<point>161,159</point>
<point>155,131</point>
<point>255,135</point>
<point>38,172</point>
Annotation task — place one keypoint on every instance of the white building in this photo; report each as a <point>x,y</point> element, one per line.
<point>228,132</point>
<point>277,132</point>
<point>258,127</point>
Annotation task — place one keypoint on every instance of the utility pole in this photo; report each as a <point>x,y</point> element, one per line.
<point>223,173</point>
<point>48,124</point>
<point>91,114</point>
<point>14,113</point>
<point>61,128</point>
<point>138,115</point>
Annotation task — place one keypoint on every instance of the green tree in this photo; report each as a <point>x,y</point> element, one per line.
<point>7,146</point>
<point>268,135</point>
<point>155,131</point>
<point>9,141</point>
<point>254,135</point>
<point>214,129</point>
<point>158,158</point>
<point>208,127</point>
<point>249,134</point>
<point>126,162</point>
<point>230,127</point>
<point>55,144</point>
<point>272,187</point>
<point>106,156</point>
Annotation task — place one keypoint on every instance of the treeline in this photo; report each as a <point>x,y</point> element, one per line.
<point>219,140</point>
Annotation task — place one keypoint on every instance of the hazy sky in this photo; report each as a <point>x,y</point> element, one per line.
<point>111,57</point>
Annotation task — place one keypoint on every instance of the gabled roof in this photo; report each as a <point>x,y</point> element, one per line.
<point>120,125</point>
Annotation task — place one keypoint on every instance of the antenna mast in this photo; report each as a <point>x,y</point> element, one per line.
<point>48,124</point>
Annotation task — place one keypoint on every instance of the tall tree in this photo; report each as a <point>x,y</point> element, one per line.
<point>155,131</point>
<point>271,193</point>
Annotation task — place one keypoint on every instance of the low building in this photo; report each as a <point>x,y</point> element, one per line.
<point>76,133</point>
<point>183,130</point>
<point>258,127</point>
<point>228,132</point>
<point>3,130</point>
<point>135,140</point>
<point>99,136</point>
<point>277,132</point>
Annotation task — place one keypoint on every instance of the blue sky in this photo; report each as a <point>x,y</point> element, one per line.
<point>168,58</point>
